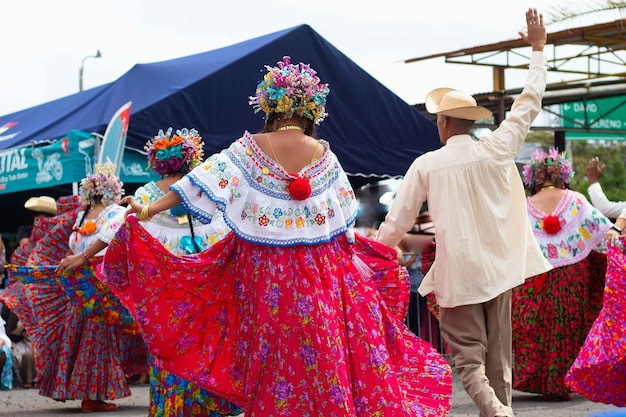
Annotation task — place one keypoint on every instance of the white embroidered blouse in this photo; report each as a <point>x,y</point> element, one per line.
<point>251,190</point>
<point>582,229</point>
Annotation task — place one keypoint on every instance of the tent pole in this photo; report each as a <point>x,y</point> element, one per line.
<point>74,188</point>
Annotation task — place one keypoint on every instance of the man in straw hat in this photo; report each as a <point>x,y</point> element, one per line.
<point>485,245</point>
<point>39,207</point>
<point>42,206</point>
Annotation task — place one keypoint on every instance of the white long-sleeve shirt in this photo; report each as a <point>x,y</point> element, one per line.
<point>485,245</point>
<point>611,209</point>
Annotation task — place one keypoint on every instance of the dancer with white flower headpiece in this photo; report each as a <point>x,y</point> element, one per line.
<point>81,356</point>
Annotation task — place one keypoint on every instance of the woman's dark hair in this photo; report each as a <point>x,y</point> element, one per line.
<point>271,124</point>
<point>96,199</point>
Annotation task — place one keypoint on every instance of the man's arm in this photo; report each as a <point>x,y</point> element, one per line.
<point>405,208</point>
<point>513,130</point>
<point>617,229</point>
<point>611,209</point>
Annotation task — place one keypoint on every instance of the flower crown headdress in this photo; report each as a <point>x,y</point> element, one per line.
<point>292,90</point>
<point>553,166</point>
<point>103,183</point>
<point>180,152</point>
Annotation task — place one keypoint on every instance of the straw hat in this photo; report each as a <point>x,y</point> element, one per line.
<point>43,204</point>
<point>454,103</point>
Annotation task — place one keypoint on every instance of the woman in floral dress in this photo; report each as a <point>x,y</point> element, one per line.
<point>552,312</point>
<point>599,371</point>
<point>291,314</point>
<point>85,357</point>
<point>171,155</point>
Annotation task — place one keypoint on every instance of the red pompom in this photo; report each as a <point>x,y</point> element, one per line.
<point>299,189</point>
<point>551,225</point>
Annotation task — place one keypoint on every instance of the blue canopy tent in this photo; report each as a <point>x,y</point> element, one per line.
<point>374,133</point>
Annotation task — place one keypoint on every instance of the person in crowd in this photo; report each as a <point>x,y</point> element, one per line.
<point>24,357</point>
<point>6,360</point>
<point>46,245</point>
<point>43,209</point>
<point>171,155</point>
<point>430,326</point>
<point>85,358</point>
<point>291,313</point>
<point>485,246</point>
<point>552,312</point>
<point>3,261</point>
<point>412,245</point>
<point>43,206</point>
<point>610,209</point>
<point>23,235</point>
<point>40,207</point>
<point>598,372</point>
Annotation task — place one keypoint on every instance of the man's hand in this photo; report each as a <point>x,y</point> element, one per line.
<point>594,170</point>
<point>536,36</point>
<point>612,235</point>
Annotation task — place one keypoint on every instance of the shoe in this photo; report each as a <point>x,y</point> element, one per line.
<point>557,397</point>
<point>87,406</point>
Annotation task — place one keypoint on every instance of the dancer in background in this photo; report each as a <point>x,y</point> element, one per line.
<point>171,155</point>
<point>31,275</point>
<point>599,371</point>
<point>288,314</point>
<point>85,358</point>
<point>552,312</point>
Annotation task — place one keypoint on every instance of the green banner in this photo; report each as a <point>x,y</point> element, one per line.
<point>65,161</point>
<point>603,114</point>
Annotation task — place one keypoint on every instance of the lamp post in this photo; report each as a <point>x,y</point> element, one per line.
<point>82,64</point>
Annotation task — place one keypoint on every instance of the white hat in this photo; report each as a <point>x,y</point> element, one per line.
<point>43,204</point>
<point>454,103</point>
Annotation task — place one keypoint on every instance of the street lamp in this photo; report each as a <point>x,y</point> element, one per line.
<point>80,71</point>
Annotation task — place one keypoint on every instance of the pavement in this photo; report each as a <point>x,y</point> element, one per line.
<point>27,402</point>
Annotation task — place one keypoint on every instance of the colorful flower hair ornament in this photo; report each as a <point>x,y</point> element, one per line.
<point>180,152</point>
<point>552,166</point>
<point>101,187</point>
<point>291,90</point>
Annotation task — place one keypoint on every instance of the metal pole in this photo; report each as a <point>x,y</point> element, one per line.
<point>81,69</point>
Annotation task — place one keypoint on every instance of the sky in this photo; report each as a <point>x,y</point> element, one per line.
<point>44,43</point>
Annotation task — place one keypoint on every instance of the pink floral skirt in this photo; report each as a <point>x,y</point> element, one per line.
<point>300,330</point>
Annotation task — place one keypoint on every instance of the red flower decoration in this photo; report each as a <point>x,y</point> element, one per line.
<point>551,225</point>
<point>299,189</point>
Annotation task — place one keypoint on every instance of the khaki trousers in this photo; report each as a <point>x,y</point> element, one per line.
<point>479,336</point>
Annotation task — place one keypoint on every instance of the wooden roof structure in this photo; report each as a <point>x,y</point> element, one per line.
<point>592,60</point>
